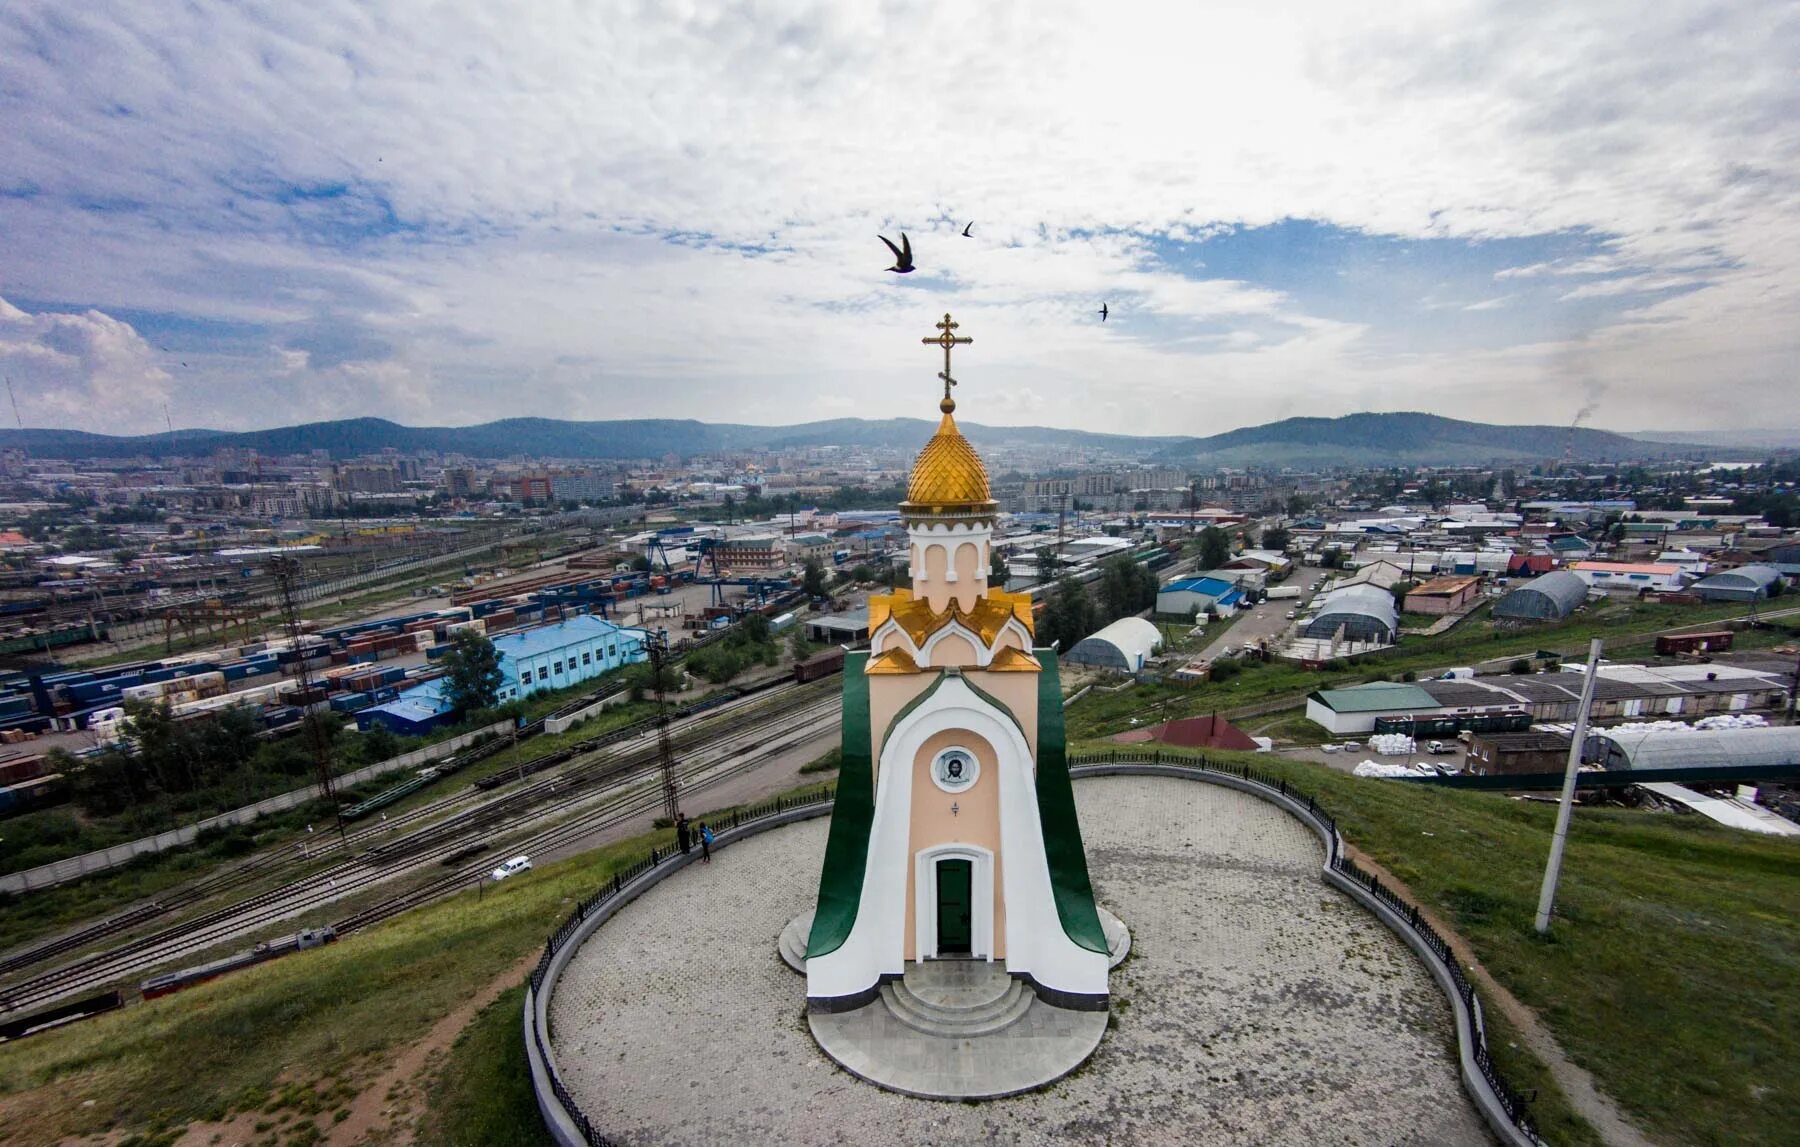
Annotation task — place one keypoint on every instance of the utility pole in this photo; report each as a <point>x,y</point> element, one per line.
<point>1553,870</point>
<point>1062,506</point>
<point>1794,691</point>
<point>285,569</point>
<point>656,644</point>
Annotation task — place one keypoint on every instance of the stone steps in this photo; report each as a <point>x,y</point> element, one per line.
<point>959,1003</point>
<point>792,944</point>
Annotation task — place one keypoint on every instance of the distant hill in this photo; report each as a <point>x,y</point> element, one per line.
<point>555,438</point>
<point>1398,439</point>
<point>1410,439</point>
<point>1748,438</point>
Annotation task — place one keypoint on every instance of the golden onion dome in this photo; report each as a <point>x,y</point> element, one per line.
<point>948,477</point>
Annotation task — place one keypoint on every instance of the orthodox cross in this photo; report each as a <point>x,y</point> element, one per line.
<point>947,340</point>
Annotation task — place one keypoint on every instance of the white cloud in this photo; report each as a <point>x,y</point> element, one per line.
<point>87,370</point>
<point>478,230</point>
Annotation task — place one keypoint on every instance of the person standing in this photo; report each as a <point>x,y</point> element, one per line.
<point>683,836</point>
<point>706,843</point>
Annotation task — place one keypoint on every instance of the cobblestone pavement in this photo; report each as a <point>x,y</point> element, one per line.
<point>1259,1005</point>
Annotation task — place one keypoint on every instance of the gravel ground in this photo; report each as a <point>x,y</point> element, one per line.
<point>1259,1006</point>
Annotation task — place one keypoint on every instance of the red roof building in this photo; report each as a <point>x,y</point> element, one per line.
<point>1530,565</point>
<point>1209,732</point>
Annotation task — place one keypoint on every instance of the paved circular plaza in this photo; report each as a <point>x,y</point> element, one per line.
<point>1259,1005</point>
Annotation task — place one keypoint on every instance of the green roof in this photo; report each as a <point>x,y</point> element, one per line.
<point>1380,696</point>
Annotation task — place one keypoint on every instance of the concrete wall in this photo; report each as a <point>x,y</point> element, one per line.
<point>75,867</point>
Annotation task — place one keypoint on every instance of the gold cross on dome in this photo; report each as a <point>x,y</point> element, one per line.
<point>947,340</point>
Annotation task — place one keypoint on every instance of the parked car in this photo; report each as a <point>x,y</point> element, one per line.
<point>512,867</point>
<point>1291,614</point>
<point>1330,747</point>
<point>1351,747</point>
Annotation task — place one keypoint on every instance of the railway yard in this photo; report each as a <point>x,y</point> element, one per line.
<point>447,842</point>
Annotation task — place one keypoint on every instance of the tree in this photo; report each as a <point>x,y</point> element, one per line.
<point>1215,548</point>
<point>812,580</point>
<point>1400,589</point>
<point>1126,587</point>
<point>799,646</point>
<point>1276,538</point>
<point>472,674</point>
<point>1069,616</point>
<point>1048,564</point>
<point>997,571</point>
<point>379,744</point>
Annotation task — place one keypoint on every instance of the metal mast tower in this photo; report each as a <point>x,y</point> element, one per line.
<point>285,569</point>
<point>656,644</point>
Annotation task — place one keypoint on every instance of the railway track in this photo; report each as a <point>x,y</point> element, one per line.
<point>732,755</point>
<point>687,734</point>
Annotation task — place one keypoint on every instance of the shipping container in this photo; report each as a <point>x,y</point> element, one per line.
<point>20,769</point>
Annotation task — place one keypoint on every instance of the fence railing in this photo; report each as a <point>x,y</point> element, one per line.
<point>1511,1101</point>
<point>75,867</point>
<point>622,880</point>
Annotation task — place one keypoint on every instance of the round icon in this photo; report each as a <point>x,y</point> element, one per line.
<point>955,770</point>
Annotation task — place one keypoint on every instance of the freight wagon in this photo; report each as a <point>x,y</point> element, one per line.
<point>820,665</point>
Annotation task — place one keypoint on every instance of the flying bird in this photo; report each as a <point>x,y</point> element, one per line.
<point>1102,312</point>
<point>903,263</point>
<point>966,227</point>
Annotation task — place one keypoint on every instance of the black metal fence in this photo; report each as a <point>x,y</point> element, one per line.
<point>1511,1101</point>
<point>620,879</point>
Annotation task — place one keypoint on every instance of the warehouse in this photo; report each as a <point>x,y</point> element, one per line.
<point>1533,751</point>
<point>1363,612</point>
<point>1617,576</point>
<point>1186,596</point>
<point>1774,748</point>
<point>1621,692</point>
<point>549,657</point>
<point>1551,597</point>
<point>566,653</point>
<point>1123,646</point>
<point>1443,595</point>
<point>1355,709</point>
<point>1745,583</point>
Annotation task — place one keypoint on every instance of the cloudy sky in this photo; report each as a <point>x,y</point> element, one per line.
<point>446,212</point>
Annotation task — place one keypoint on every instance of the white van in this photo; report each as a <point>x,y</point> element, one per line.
<point>512,867</point>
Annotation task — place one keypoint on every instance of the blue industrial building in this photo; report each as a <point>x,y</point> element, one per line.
<point>549,657</point>
<point>1184,596</point>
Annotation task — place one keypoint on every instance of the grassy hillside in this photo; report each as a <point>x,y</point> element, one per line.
<point>1669,973</point>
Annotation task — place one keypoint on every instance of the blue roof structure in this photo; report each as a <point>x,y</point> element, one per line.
<point>550,638</point>
<point>1211,586</point>
<point>415,711</point>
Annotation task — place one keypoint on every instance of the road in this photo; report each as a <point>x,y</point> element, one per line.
<point>1268,621</point>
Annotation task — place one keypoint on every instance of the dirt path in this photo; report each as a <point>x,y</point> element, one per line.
<point>388,1109</point>
<point>1583,1093</point>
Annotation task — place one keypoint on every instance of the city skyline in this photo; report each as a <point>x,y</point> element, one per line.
<point>1497,214</point>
